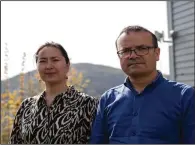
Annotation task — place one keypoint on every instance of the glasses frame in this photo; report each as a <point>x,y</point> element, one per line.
<point>131,50</point>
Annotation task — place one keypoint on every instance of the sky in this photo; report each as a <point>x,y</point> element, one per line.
<point>86,29</point>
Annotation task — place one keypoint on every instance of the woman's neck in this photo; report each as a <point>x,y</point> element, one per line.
<point>54,89</point>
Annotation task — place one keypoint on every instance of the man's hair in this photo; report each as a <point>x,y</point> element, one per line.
<point>136,28</point>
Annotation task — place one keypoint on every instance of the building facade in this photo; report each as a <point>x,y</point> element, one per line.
<point>181,22</point>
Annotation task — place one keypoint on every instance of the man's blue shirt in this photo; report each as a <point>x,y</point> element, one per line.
<point>164,112</point>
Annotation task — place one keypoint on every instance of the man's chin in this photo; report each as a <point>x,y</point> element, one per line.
<point>136,73</point>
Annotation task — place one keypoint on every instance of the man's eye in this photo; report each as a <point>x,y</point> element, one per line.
<point>125,51</point>
<point>141,48</point>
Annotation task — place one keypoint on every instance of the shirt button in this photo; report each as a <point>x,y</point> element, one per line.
<point>133,133</point>
<point>135,114</point>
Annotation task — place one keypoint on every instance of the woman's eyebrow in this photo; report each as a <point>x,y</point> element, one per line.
<point>53,57</point>
<point>42,58</point>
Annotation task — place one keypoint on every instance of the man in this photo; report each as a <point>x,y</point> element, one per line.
<point>147,108</point>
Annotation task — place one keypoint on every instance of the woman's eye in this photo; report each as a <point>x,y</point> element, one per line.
<point>41,61</point>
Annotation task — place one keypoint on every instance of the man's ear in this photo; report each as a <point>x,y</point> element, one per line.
<point>157,53</point>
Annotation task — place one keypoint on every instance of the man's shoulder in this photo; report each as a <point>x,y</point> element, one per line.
<point>179,88</point>
<point>116,89</point>
<point>177,85</point>
<point>112,94</point>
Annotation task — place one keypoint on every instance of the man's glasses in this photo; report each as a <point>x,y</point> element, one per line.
<point>139,50</point>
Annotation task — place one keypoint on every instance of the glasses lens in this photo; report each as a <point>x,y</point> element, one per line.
<point>141,51</point>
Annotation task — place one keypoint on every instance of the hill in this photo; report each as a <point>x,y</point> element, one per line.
<point>101,78</point>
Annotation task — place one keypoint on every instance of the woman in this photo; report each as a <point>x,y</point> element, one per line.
<point>59,115</point>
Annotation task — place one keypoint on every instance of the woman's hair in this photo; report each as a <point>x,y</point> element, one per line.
<point>55,45</point>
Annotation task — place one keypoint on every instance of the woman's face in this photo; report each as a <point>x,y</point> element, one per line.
<point>51,65</point>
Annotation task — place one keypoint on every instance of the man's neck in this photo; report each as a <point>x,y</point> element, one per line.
<point>140,82</point>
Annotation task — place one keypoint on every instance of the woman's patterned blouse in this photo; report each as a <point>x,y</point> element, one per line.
<point>67,121</point>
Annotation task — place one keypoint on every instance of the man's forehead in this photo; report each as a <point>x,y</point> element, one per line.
<point>135,37</point>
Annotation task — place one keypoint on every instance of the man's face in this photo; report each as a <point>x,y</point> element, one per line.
<point>142,63</point>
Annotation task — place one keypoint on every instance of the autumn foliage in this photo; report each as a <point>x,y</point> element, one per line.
<point>10,101</point>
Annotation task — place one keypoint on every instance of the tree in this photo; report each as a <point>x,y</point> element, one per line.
<point>11,100</point>
<point>10,103</point>
<point>77,79</point>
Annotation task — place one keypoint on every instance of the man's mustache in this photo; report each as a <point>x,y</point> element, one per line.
<point>135,61</point>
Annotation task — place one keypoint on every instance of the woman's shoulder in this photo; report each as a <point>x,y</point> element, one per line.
<point>31,100</point>
<point>27,103</point>
<point>84,96</point>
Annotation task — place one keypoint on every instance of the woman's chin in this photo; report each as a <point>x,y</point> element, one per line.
<point>52,81</point>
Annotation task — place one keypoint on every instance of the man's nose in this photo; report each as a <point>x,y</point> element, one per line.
<point>132,54</point>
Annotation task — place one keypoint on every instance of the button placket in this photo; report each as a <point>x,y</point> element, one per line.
<point>135,114</point>
<point>133,133</point>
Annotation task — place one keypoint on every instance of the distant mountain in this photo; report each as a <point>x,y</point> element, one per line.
<point>101,78</point>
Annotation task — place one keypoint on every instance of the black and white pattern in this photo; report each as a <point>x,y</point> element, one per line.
<point>67,121</point>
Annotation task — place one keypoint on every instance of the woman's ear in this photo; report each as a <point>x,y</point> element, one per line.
<point>68,65</point>
<point>67,68</point>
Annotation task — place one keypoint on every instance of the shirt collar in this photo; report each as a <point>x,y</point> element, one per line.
<point>159,78</point>
<point>40,98</point>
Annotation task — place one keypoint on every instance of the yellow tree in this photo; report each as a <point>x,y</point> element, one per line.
<point>6,52</point>
<point>12,100</point>
<point>22,76</point>
<point>9,103</point>
<point>77,79</point>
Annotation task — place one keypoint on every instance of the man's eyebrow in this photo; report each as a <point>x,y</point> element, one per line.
<point>142,45</point>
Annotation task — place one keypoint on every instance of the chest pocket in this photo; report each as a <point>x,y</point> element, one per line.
<point>122,127</point>
<point>160,124</point>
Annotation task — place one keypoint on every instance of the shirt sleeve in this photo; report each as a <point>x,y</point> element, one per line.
<point>98,133</point>
<point>16,134</point>
<point>188,121</point>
